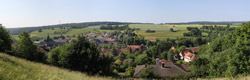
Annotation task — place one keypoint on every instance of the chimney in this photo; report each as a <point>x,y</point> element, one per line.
<point>157,60</point>
<point>162,65</point>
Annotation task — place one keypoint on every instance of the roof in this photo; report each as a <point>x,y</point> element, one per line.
<point>153,38</point>
<point>195,49</point>
<point>109,39</point>
<point>184,67</point>
<point>165,61</point>
<point>136,47</point>
<point>167,70</point>
<point>188,54</point>
<point>138,69</point>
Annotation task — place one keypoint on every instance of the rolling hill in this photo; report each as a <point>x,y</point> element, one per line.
<point>12,68</point>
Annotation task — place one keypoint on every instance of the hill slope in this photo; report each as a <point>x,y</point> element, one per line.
<point>12,68</point>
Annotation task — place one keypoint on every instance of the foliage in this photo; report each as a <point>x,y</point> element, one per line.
<point>194,32</point>
<point>115,27</point>
<point>25,48</point>
<point>172,29</point>
<point>5,40</point>
<point>229,55</point>
<point>141,59</point>
<point>81,55</point>
<point>199,67</point>
<point>135,40</point>
<point>130,71</point>
<point>149,31</point>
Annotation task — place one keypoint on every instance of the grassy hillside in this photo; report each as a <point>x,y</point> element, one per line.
<point>12,68</point>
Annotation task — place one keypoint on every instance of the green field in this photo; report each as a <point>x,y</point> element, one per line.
<point>162,31</point>
<point>76,32</point>
<point>12,68</point>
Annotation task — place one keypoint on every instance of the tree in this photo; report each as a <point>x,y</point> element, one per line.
<point>5,40</point>
<point>228,55</point>
<point>40,30</point>
<point>27,49</point>
<point>141,59</point>
<point>114,51</point>
<point>199,67</point>
<point>130,71</point>
<point>171,29</point>
<point>164,55</point>
<point>81,55</point>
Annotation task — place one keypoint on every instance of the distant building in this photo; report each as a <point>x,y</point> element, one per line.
<point>163,68</point>
<point>153,39</point>
<point>135,48</point>
<point>187,55</point>
<point>49,43</point>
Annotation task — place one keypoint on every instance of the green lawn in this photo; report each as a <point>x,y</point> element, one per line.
<point>12,68</point>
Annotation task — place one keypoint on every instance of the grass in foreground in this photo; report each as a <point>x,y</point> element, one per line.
<point>12,68</point>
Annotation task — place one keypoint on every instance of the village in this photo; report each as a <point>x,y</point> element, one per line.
<point>111,44</point>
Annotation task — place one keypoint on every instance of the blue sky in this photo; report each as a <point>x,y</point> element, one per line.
<point>25,13</point>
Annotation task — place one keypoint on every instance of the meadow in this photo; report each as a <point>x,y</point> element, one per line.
<point>162,30</point>
<point>12,68</point>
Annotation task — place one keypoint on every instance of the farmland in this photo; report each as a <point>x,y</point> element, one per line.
<point>162,30</point>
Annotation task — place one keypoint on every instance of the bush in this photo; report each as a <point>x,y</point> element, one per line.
<point>149,31</point>
<point>5,40</point>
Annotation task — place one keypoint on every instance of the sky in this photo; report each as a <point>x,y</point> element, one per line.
<point>29,13</point>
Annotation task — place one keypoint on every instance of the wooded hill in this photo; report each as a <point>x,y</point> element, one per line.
<point>16,31</point>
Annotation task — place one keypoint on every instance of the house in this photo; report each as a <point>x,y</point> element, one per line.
<point>187,55</point>
<point>135,48</point>
<point>164,61</point>
<point>163,70</point>
<point>103,51</point>
<point>195,49</point>
<point>122,50</point>
<point>153,39</point>
<point>49,43</point>
<point>109,40</point>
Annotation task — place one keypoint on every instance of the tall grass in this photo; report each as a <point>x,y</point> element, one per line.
<point>12,68</point>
